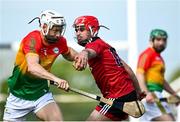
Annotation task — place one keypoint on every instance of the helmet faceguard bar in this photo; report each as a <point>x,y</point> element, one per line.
<point>56,17</point>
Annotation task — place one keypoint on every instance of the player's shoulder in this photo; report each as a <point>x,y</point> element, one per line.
<point>147,51</point>
<point>103,42</point>
<point>98,41</point>
<point>33,36</point>
<point>62,40</point>
<point>34,32</point>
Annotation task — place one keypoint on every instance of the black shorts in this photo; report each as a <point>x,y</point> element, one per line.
<point>114,113</point>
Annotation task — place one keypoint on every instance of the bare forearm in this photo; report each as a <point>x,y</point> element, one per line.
<point>135,80</point>
<point>38,71</point>
<point>168,88</point>
<point>142,82</point>
<point>136,83</point>
<point>34,68</point>
<point>71,55</point>
<point>133,76</point>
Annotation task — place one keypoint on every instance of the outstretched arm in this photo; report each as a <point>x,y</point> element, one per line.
<point>168,88</point>
<point>83,57</point>
<point>70,56</point>
<point>142,82</point>
<point>149,95</point>
<point>80,60</point>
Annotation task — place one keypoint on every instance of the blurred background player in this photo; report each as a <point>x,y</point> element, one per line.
<point>150,74</point>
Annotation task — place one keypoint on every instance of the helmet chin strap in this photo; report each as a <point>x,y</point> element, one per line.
<point>93,34</point>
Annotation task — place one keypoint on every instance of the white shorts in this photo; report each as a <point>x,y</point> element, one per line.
<point>16,108</point>
<point>178,113</point>
<point>153,111</point>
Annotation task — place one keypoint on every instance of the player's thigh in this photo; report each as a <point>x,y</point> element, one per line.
<point>50,112</point>
<point>96,116</point>
<point>164,117</point>
<point>16,108</point>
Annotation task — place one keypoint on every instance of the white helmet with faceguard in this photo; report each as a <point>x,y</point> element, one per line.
<point>51,18</point>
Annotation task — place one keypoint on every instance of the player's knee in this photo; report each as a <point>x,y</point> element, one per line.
<point>55,117</point>
<point>165,117</point>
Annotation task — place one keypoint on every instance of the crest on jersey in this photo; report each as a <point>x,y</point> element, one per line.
<point>56,50</point>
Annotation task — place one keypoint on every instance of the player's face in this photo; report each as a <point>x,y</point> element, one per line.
<point>159,44</point>
<point>54,34</point>
<point>82,35</point>
<point>55,31</point>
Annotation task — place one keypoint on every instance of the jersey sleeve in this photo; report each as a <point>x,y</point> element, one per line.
<point>96,46</point>
<point>144,63</point>
<point>31,45</point>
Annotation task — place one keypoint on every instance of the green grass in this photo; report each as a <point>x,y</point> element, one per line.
<point>1,109</point>
<point>70,111</point>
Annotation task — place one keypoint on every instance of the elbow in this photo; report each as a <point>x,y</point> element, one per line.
<point>31,69</point>
<point>69,57</point>
<point>129,71</point>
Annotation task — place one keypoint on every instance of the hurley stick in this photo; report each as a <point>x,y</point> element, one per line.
<point>134,108</point>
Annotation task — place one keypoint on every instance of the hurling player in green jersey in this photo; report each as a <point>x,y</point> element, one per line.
<point>29,90</point>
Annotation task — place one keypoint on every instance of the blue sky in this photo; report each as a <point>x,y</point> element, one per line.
<point>164,14</point>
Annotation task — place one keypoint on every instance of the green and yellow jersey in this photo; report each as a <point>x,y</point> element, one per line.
<point>152,65</point>
<point>23,84</point>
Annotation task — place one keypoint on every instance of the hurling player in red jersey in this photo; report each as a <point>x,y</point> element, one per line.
<point>29,90</point>
<point>113,76</point>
